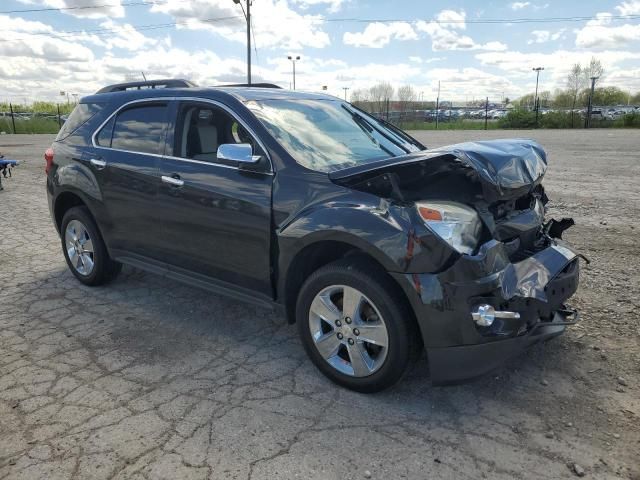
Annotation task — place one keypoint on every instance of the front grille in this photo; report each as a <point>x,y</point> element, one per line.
<point>526,202</point>
<point>532,247</point>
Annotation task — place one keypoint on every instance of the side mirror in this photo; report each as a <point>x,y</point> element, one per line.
<point>242,153</point>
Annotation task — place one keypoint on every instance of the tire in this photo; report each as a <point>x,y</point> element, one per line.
<point>78,223</point>
<point>383,359</point>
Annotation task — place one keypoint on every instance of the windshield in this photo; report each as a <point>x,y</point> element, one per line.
<point>328,135</point>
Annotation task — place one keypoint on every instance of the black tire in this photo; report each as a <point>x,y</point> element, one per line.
<point>104,269</point>
<point>404,342</point>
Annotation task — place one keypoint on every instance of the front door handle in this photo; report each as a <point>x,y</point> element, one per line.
<point>176,182</point>
<point>99,164</point>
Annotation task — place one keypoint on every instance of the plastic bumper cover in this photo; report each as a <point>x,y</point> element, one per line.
<point>536,287</point>
<point>451,365</point>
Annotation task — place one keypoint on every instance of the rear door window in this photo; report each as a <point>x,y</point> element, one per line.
<point>140,129</point>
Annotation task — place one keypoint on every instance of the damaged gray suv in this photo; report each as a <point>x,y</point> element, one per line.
<point>375,246</point>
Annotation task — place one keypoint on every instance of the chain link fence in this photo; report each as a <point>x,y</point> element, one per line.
<point>25,119</point>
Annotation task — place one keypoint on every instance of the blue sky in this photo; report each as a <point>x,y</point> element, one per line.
<point>343,43</point>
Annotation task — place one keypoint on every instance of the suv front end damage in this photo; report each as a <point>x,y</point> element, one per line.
<point>479,305</point>
<point>461,347</point>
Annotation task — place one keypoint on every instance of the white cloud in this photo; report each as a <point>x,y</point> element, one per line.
<point>625,78</point>
<point>522,5</point>
<point>518,65</point>
<point>629,8</point>
<point>29,39</point>
<point>275,24</point>
<point>469,82</point>
<point>601,33</point>
<point>125,36</point>
<point>445,33</point>
<point>334,5</point>
<point>543,36</point>
<point>109,9</point>
<point>377,34</point>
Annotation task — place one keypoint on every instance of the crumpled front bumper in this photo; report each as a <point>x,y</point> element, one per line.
<point>536,287</point>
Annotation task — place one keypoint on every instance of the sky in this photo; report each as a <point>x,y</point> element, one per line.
<point>473,48</point>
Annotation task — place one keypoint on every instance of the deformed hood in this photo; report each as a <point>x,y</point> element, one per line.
<point>508,164</point>
<point>505,168</point>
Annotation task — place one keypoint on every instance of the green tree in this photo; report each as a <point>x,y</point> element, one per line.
<point>610,96</point>
<point>564,99</point>
<point>575,82</point>
<point>527,101</point>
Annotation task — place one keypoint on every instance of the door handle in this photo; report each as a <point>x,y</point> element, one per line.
<point>99,164</point>
<point>176,182</point>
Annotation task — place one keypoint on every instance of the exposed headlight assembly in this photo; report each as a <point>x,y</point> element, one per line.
<point>456,224</point>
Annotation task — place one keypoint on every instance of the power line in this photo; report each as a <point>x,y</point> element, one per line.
<point>137,28</point>
<point>485,21</point>
<point>140,28</point>
<point>86,7</point>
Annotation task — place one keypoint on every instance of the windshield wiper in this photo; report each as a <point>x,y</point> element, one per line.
<point>362,120</point>
<point>400,133</point>
<point>367,128</point>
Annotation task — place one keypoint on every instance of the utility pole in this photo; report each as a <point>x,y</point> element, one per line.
<point>293,60</point>
<point>587,122</point>
<point>535,101</point>
<point>486,113</point>
<point>247,16</point>
<point>345,92</point>
<point>13,120</point>
<point>438,105</point>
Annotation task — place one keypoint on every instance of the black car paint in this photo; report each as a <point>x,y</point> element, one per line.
<point>264,233</point>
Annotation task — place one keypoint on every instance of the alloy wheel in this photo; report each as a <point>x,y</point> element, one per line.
<point>348,330</point>
<point>79,247</point>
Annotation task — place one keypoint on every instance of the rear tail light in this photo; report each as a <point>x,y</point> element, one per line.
<point>48,157</point>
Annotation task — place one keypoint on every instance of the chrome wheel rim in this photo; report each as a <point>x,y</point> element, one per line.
<point>348,331</point>
<point>79,247</point>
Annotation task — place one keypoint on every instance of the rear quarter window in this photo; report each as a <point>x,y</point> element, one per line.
<point>79,116</point>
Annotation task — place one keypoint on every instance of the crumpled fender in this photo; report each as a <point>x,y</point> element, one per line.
<point>491,266</point>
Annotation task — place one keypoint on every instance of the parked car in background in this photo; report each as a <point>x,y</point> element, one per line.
<point>375,246</point>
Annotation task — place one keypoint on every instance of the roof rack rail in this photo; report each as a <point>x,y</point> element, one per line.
<point>256,85</point>
<point>165,83</point>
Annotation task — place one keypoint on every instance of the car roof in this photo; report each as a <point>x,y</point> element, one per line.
<point>241,93</point>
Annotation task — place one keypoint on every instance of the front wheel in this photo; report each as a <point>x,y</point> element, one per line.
<point>355,326</point>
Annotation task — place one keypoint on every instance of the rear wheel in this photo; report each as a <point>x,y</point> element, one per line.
<point>355,326</point>
<point>84,249</point>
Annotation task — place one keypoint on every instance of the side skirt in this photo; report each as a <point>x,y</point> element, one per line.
<point>195,279</point>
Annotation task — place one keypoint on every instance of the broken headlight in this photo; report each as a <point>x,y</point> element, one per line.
<point>456,224</point>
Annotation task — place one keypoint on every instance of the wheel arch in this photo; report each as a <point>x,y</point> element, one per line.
<point>64,201</point>
<point>317,254</point>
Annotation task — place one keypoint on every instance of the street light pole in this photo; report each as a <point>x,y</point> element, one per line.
<point>536,104</point>
<point>247,16</point>
<point>345,92</point>
<point>293,61</point>
<point>438,105</point>
<point>590,108</point>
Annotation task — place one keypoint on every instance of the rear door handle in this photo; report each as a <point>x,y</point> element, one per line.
<point>176,182</point>
<point>99,164</point>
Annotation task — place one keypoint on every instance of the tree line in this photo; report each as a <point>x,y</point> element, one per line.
<point>383,97</point>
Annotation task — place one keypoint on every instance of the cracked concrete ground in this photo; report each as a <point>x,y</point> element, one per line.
<point>150,379</point>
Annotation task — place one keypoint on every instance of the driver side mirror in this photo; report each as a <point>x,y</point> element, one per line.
<point>241,153</point>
